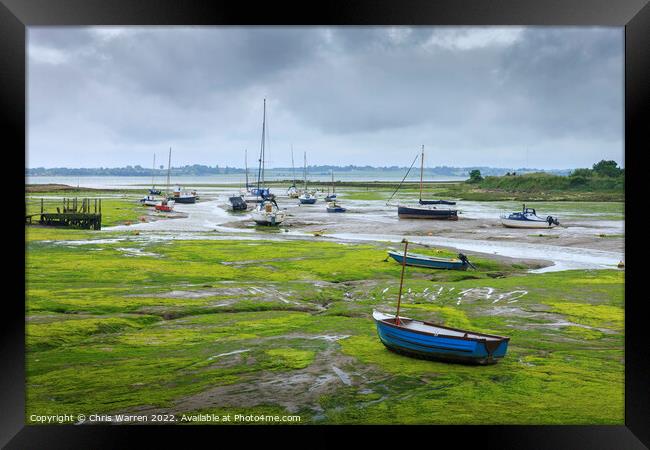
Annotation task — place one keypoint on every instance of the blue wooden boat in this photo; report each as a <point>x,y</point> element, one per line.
<point>429,341</point>
<point>432,262</point>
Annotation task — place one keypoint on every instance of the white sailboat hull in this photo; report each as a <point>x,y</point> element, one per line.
<point>268,218</point>
<point>536,224</point>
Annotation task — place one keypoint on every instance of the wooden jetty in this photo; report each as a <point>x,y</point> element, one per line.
<point>83,213</point>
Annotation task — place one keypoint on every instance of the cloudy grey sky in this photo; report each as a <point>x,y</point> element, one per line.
<point>496,96</point>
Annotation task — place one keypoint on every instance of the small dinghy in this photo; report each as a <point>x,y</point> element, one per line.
<point>333,207</point>
<point>165,206</point>
<point>528,218</point>
<point>433,262</point>
<point>430,341</point>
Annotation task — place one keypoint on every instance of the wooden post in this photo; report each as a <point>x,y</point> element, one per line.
<point>401,282</point>
<point>41,205</point>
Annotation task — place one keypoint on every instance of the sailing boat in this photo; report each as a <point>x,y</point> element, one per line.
<point>430,341</point>
<point>307,198</point>
<point>150,199</point>
<point>292,192</point>
<point>238,201</point>
<point>425,209</point>
<point>167,204</point>
<point>267,211</point>
<point>153,190</point>
<point>332,196</point>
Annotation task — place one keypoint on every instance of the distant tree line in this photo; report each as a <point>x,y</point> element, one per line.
<point>203,170</point>
<point>603,176</point>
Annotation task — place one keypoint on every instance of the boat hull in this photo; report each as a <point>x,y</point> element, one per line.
<point>307,201</point>
<point>412,260</point>
<point>336,210</point>
<point>536,224</point>
<point>470,350</point>
<point>237,203</point>
<point>189,199</point>
<point>406,212</point>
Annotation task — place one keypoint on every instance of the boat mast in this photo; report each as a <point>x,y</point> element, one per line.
<point>153,172</point>
<point>421,172</point>
<point>259,168</point>
<point>305,172</point>
<point>169,165</point>
<point>333,188</point>
<point>293,168</point>
<point>246,166</point>
<point>401,281</point>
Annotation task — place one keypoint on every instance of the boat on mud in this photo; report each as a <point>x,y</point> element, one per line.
<point>331,197</point>
<point>333,207</point>
<point>293,191</point>
<point>150,200</point>
<point>424,209</point>
<point>268,213</point>
<point>307,198</point>
<point>433,262</point>
<point>237,203</point>
<point>180,196</point>
<point>166,204</point>
<point>427,340</point>
<point>528,218</point>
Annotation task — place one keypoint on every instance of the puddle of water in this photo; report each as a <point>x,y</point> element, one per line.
<point>228,354</point>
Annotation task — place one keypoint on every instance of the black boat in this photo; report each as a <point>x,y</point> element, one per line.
<point>424,212</point>
<point>238,203</point>
<point>425,209</point>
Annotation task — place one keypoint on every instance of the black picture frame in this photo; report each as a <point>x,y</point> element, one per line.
<point>634,15</point>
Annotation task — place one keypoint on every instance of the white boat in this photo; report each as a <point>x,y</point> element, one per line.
<point>150,200</point>
<point>268,213</point>
<point>293,191</point>
<point>307,198</point>
<point>528,218</point>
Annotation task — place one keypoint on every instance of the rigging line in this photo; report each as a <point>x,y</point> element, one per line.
<point>401,182</point>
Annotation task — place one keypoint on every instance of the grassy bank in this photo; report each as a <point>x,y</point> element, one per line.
<point>284,327</point>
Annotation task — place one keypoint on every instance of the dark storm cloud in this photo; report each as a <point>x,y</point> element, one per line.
<point>358,95</point>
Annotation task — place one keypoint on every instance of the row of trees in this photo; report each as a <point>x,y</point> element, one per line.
<point>601,169</point>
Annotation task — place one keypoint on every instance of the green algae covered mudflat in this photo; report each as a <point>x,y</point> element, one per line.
<point>117,323</point>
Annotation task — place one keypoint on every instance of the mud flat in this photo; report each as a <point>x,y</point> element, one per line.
<point>209,314</point>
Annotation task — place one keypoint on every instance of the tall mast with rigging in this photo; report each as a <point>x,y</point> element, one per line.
<point>293,167</point>
<point>169,165</point>
<point>260,169</point>
<point>153,172</point>
<point>305,171</point>
<point>421,172</point>
<point>246,166</point>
